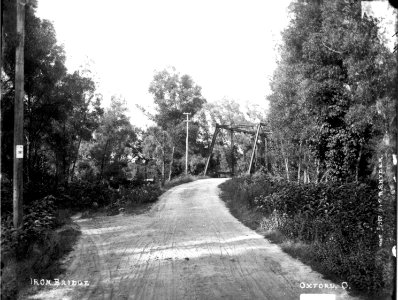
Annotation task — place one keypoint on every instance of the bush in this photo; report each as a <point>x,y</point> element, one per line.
<point>140,195</point>
<point>81,195</point>
<point>338,220</point>
<point>38,218</point>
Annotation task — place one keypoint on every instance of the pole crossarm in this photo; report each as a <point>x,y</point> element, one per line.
<point>252,129</point>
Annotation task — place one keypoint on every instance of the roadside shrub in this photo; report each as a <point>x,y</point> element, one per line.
<point>80,195</point>
<point>246,188</point>
<point>139,195</point>
<point>338,221</point>
<point>38,217</point>
<point>341,222</point>
<point>31,250</point>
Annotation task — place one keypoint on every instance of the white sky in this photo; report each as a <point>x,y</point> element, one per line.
<point>227,46</point>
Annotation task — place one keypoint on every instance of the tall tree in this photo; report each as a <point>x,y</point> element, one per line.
<point>332,73</point>
<point>114,143</point>
<point>173,96</point>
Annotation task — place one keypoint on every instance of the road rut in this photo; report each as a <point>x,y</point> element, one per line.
<point>188,246</point>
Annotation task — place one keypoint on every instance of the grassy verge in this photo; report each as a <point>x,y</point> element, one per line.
<point>241,210</point>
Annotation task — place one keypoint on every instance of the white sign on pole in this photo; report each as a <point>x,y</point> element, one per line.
<point>19,153</point>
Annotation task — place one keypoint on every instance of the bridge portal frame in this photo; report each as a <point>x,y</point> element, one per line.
<point>252,129</point>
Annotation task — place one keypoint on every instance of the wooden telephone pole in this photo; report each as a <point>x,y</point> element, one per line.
<point>18,117</point>
<point>186,145</point>
<point>1,69</point>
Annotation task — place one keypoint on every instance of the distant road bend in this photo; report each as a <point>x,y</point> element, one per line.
<point>188,246</point>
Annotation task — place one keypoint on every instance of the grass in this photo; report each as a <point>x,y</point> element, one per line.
<point>237,205</point>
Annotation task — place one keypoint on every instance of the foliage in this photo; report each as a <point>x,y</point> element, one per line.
<point>333,77</point>
<point>60,109</point>
<point>338,222</point>
<point>173,96</point>
<point>80,195</point>
<point>38,218</point>
<point>115,145</point>
<point>140,195</point>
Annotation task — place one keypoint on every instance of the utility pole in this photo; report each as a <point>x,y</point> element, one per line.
<point>232,154</point>
<point>1,69</point>
<point>18,117</point>
<point>186,145</point>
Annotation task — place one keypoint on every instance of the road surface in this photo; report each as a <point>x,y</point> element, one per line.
<point>188,246</point>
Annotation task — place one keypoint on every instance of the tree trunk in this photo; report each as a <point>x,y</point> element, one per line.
<point>72,174</point>
<point>65,165</point>
<point>171,162</point>
<point>306,168</point>
<point>317,163</point>
<point>357,164</point>
<point>103,160</point>
<point>299,164</point>
<point>286,162</point>
<point>163,168</point>
<point>163,160</point>
<point>266,160</point>
<point>305,176</point>
<point>287,169</point>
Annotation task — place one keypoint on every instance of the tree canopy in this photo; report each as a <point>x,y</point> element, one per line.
<point>333,78</point>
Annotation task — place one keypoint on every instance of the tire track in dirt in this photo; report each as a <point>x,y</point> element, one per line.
<point>188,246</point>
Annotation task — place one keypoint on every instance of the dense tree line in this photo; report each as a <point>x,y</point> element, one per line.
<point>332,104</point>
<point>61,109</point>
<point>331,110</point>
<point>331,121</point>
<point>70,139</point>
<point>68,136</point>
<point>328,195</point>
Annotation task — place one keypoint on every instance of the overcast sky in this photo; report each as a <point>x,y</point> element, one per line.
<point>227,46</point>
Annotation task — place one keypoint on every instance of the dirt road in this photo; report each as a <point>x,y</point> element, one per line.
<point>188,246</point>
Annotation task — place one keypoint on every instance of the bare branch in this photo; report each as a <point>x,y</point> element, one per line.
<point>335,51</point>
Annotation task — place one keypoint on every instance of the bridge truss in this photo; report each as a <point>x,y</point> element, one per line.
<point>258,130</point>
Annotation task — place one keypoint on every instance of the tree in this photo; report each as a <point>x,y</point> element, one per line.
<point>173,96</point>
<point>60,110</point>
<point>44,68</point>
<point>114,143</point>
<point>79,116</point>
<point>156,143</point>
<point>332,72</point>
